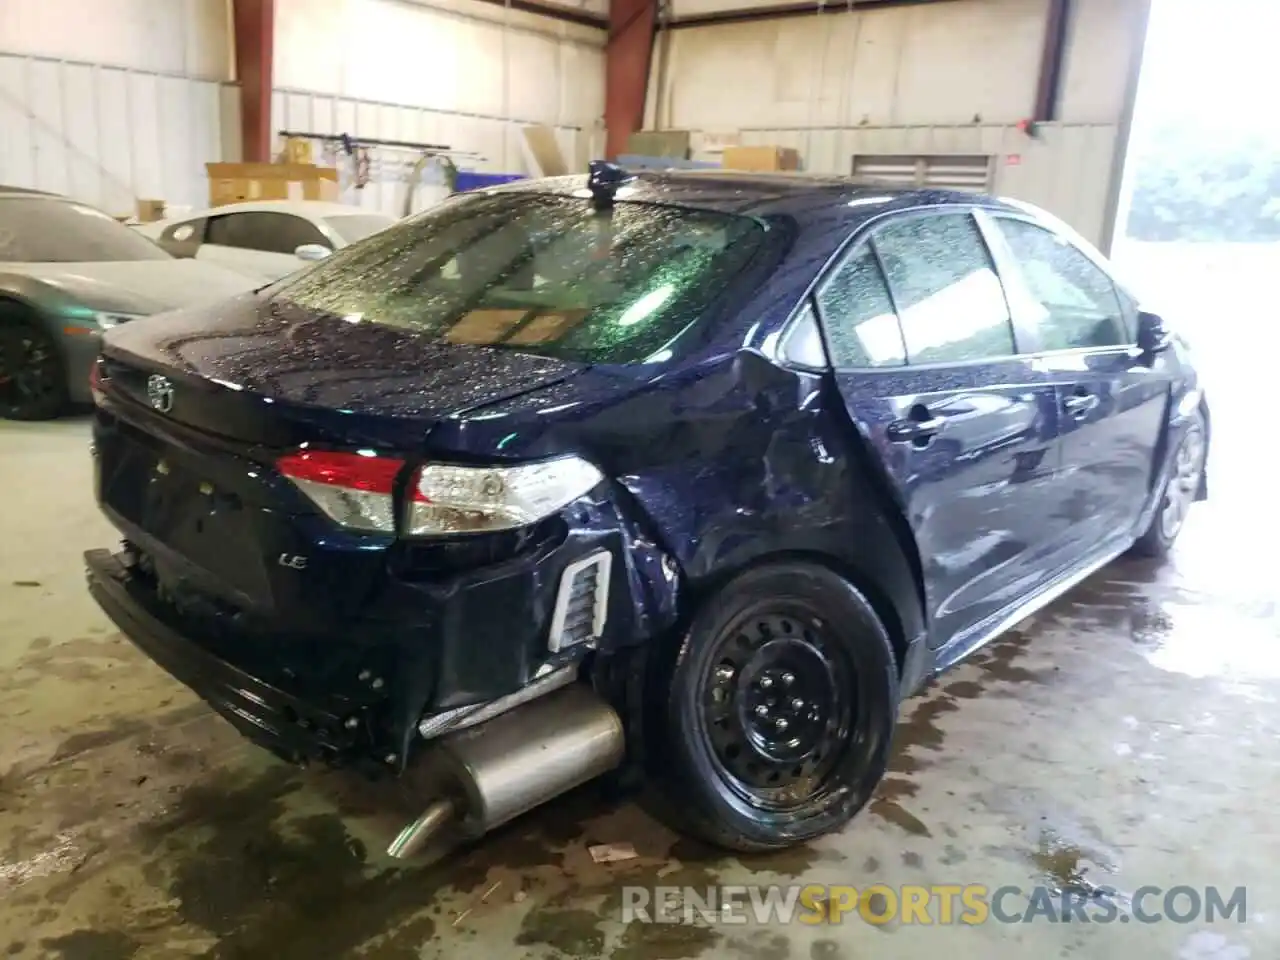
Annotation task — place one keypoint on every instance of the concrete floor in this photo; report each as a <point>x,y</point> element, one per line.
<point>1128,733</point>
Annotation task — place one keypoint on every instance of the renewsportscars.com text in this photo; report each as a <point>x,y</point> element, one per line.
<point>938,904</point>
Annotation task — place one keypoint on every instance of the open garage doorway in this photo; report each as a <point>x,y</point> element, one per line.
<point>1202,217</point>
<point>1200,229</point>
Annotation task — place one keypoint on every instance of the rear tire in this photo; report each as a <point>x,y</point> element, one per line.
<point>771,723</point>
<point>1179,494</point>
<point>33,378</point>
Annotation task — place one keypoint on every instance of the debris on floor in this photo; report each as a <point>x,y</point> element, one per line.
<point>612,852</point>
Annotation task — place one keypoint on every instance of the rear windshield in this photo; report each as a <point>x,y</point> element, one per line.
<point>42,230</point>
<point>356,226</point>
<point>539,274</point>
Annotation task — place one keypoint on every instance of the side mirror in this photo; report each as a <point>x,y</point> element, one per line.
<point>1153,336</point>
<point>312,251</point>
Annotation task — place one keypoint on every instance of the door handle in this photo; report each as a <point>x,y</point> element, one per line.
<point>913,431</point>
<point>1079,405</point>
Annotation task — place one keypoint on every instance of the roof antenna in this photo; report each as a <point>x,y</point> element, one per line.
<point>603,180</point>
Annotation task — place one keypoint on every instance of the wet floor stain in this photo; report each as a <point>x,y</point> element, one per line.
<point>574,933</point>
<point>78,743</point>
<point>663,941</point>
<point>769,946</point>
<point>92,945</point>
<point>999,660</point>
<point>1070,867</point>
<point>887,805</point>
<point>919,733</point>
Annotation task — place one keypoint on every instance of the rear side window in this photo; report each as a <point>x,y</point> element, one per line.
<point>950,301</point>
<point>1073,304</point>
<point>263,231</point>
<point>546,275</point>
<point>862,328</point>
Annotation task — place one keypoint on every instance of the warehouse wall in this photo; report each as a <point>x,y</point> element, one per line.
<point>127,105</point>
<point>932,78</point>
<point>452,72</point>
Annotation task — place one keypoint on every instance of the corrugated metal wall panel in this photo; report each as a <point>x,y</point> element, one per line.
<point>946,78</point>
<point>944,171</point>
<point>106,135</point>
<point>189,38</point>
<point>128,105</point>
<point>1067,169</point>
<point>944,64</point>
<point>497,141</point>
<point>452,72</point>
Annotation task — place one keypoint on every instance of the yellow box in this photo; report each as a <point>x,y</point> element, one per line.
<point>760,159</point>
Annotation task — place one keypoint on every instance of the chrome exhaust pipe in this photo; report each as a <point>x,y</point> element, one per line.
<point>517,761</point>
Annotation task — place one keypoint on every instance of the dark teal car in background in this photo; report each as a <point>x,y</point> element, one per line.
<point>689,475</point>
<point>67,273</point>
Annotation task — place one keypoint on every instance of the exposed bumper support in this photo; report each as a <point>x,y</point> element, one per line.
<point>291,728</point>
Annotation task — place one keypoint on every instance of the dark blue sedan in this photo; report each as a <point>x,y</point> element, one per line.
<point>688,479</point>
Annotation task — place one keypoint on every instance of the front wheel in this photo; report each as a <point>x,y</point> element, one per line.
<point>33,382</point>
<point>1179,493</point>
<point>772,722</point>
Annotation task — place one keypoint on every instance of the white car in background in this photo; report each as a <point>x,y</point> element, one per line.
<point>266,239</point>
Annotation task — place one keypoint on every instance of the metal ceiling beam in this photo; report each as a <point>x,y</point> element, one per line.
<point>1057,28</point>
<point>783,11</point>
<point>555,11</point>
<point>254,28</point>
<point>628,51</point>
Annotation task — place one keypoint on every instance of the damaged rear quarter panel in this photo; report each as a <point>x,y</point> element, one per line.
<point>712,469</point>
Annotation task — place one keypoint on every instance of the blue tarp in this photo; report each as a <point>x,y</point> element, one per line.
<point>468,180</point>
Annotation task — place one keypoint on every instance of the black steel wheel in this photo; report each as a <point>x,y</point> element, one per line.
<point>775,715</point>
<point>33,380</point>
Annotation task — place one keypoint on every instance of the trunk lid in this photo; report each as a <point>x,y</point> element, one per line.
<point>277,374</point>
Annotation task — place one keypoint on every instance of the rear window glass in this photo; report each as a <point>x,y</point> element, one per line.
<point>546,275</point>
<point>40,230</point>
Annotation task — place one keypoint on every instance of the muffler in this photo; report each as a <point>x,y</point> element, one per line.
<point>520,759</point>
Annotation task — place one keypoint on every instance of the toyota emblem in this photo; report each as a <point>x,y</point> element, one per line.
<point>160,393</point>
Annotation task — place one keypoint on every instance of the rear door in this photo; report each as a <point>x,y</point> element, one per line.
<point>927,363</point>
<point>1112,403</point>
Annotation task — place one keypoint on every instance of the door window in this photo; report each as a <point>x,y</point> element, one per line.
<point>1073,303</point>
<point>862,328</point>
<point>264,231</point>
<point>950,301</point>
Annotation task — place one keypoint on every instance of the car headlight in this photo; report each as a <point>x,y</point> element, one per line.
<point>107,319</point>
<point>444,498</point>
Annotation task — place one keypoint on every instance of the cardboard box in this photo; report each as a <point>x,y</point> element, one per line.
<point>545,150</point>
<point>760,159</point>
<point>660,143</point>
<point>149,211</point>
<point>237,182</point>
<point>297,150</point>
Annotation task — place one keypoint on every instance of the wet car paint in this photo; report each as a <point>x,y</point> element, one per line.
<point>719,460</point>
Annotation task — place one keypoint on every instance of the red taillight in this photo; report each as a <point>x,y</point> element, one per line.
<point>355,490</point>
<point>355,471</point>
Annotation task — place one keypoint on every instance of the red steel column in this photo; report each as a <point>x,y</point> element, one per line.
<point>254,25</point>
<point>626,72</point>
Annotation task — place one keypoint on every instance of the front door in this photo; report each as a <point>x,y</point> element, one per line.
<point>1112,403</point>
<point>927,363</point>
<point>259,243</point>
